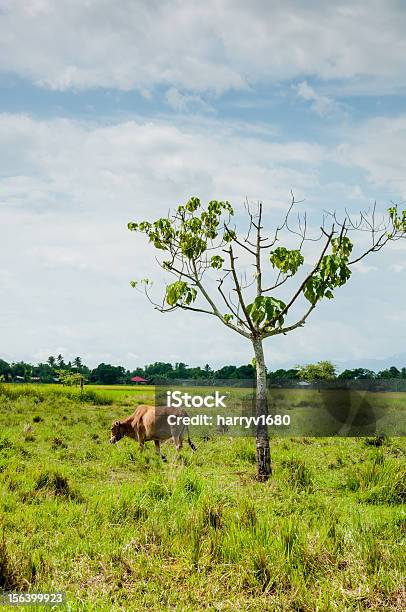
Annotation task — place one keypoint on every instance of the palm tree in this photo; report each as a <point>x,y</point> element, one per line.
<point>61,363</point>
<point>77,362</point>
<point>52,361</point>
<point>207,370</point>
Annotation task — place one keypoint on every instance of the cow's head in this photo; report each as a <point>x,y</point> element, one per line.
<point>117,432</point>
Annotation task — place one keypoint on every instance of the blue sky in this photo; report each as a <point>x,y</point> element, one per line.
<point>111,112</point>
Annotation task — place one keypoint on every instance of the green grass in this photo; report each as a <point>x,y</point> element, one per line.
<point>118,530</point>
<point>55,393</point>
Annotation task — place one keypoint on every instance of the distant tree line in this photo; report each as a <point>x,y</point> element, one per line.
<point>107,374</point>
<point>313,372</point>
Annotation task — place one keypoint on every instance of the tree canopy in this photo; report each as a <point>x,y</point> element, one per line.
<point>323,370</point>
<point>196,240</point>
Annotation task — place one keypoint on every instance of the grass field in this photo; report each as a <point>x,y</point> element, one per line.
<point>121,531</point>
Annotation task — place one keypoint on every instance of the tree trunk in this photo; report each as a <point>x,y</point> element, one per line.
<point>264,469</point>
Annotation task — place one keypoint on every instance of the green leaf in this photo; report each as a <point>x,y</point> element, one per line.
<point>180,294</point>
<point>229,236</point>
<point>216,262</point>
<point>193,204</point>
<point>333,272</point>
<point>192,246</point>
<point>187,235</point>
<point>398,220</point>
<point>266,311</point>
<point>286,261</point>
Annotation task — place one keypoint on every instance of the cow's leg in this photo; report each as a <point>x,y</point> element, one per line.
<point>158,450</point>
<point>178,443</point>
<point>141,440</point>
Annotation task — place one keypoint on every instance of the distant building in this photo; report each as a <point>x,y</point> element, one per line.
<point>138,380</point>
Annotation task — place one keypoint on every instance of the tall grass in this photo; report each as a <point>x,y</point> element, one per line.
<point>380,481</point>
<point>43,394</point>
<point>118,530</point>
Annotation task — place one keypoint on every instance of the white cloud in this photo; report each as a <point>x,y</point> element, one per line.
<point>68,189</point>
<point>186,102</point>
<point>322,105</point>
<point>377,146</point>
<point>363,268</point>
<point>214,46</point>
<point>46,163</point>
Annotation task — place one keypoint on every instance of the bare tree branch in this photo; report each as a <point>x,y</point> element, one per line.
<point>238,289</point>
<point>258,252</point>
<point>229,306</point>
<point>217,312</point>
<point>285,330</point>
<point>278,283</point>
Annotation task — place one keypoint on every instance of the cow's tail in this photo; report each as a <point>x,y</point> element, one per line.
<point>189,441</point>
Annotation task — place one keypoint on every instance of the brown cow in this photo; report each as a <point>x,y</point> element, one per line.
<point>151,423</point>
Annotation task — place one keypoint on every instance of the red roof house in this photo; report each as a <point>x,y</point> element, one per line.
<point>138,380</point>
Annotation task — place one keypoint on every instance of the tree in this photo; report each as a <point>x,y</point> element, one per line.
<point>60,362</point>
<point>107,374</point>
<point>225,372</point>
<point>180,370</point>
<point>22,370</point>
<point>51,361</point>
<point>291,374</point>
<point>246,372</point>
<point>357,374</point>
<point>5,370</point>
<point>323,370</point>
<point>77,362</point>
<point>70,379</point>
<point>197,242</point>
<point>44,372</point>
<point>391,372</point>
<point>159,368</point>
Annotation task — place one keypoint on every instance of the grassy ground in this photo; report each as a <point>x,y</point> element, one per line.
<point>121,531</point>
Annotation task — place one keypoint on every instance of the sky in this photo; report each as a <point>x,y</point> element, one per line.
<point>111,112</point>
